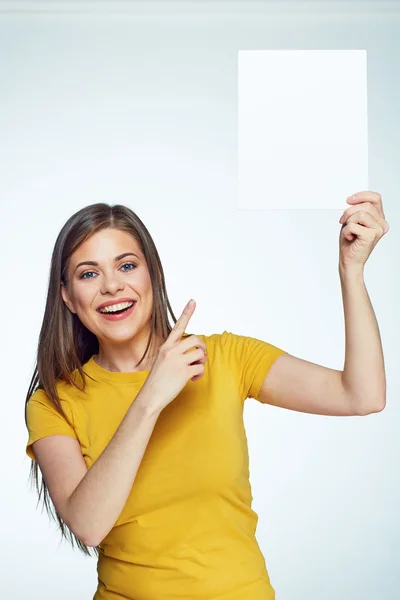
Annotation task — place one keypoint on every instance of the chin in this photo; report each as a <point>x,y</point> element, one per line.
<point>125,335</point>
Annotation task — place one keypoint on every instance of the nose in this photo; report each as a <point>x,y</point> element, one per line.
<point>111,283</point>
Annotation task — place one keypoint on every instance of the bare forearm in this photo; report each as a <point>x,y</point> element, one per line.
<point>364,370</point>
<point>100,497</point>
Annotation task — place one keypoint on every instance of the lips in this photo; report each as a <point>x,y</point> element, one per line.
<point>112,302</point>
<point>120,315</point>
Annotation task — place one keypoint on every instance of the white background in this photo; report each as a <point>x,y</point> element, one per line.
<point>138,105</point>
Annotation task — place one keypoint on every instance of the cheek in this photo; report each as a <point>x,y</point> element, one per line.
<point>143,283</point>
<point>85,298</point>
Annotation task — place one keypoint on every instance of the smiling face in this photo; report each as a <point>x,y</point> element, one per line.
<point>110,268</point>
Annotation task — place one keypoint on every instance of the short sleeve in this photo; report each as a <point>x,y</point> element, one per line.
<point>249,359</point>
<point>43,419</point>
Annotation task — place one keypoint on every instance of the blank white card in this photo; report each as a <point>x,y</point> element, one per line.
<point>302,128</point>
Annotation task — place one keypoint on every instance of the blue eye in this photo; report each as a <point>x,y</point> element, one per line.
<point>86,273</point>
<point>133,265</point>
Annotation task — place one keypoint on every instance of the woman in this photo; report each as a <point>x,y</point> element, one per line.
<point>137,427</point>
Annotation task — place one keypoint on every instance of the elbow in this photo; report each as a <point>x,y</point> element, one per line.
<point>372,408</point>
<point>82,531</point>
<point>91,542</point>
<point>380,407</point>
<point>83,538</point>
<point>88,539</point>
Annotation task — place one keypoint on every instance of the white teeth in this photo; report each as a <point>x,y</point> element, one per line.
<point>116,307</point>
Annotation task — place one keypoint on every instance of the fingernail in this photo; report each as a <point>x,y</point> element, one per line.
<point>191,303</point>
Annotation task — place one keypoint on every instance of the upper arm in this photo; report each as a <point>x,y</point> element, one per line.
<point>63,467</point>
<point>304,386</point>
<point>248,359</point>
<point>53,443</point>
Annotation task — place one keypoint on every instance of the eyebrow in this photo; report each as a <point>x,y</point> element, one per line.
<point>93,263</point>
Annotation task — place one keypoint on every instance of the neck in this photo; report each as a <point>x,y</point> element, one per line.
<point>123,358</point>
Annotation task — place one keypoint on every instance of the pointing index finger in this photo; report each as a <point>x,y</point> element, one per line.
<point>181,324</point>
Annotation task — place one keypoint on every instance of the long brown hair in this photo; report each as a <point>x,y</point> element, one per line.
<point>65,344</point>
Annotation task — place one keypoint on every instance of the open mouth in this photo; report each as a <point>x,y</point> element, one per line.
<point>111,310</point>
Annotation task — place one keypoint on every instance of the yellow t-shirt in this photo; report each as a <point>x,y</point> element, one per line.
<point>187,530</point>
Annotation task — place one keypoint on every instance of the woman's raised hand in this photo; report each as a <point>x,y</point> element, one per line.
<point>175,363</point>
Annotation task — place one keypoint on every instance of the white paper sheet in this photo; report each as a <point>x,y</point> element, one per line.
<point>302,128</point>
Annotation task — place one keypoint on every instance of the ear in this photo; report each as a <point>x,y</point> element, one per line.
<point>66,299</point>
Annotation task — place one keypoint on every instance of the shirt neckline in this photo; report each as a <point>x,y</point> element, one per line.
<point>98,373</point>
